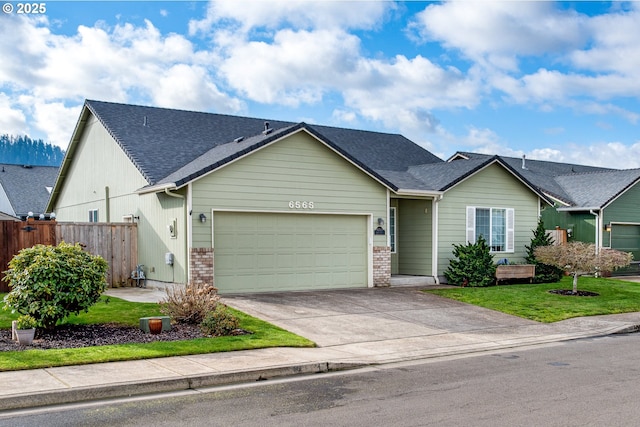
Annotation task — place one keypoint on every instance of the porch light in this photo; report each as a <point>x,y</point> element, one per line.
<point>380,222</point>
<point>203,218</point>
<point>607,227</point>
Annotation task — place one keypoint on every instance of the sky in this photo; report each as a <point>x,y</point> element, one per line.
<point>555,81</point>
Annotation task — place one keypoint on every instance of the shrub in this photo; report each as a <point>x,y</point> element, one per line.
<point>26,321</point>
<point>190,303</point>
<point>219,322</point>
<point>474,265</point>
<point>52,282</point>
<point>545,273</point>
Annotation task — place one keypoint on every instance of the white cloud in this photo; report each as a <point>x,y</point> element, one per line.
<point>496,31</point>
<point>403,92</point>
<point>12,119</point>
<point>298,14</point>
<point>298,67</point>
<point>182,86</point>
<point>100,62</point>
<point>55,120</point>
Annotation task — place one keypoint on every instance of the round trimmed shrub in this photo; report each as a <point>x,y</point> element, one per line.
<point>53,282</point>
<point>219,322</point>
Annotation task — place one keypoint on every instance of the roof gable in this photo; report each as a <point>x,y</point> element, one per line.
<point>175,146</point>
<point>577,186</point>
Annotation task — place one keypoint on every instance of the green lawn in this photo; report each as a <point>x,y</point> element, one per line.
<point>536,303</point>
<point>115,310</point>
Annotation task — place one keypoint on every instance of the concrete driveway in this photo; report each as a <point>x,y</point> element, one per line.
<point>339,317</point>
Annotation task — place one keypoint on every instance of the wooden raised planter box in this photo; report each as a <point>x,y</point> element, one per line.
<point>524,271</point>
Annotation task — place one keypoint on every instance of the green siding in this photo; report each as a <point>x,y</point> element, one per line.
<point>624,209</point>
<point>96,158</point>
<point>297,168</point>
<point>414,237</point>
<point>492,187</point>
<point>582,224</point>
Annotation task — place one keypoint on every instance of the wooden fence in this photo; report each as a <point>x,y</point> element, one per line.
<point>117,243</point>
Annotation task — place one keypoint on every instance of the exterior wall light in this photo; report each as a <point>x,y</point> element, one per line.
<point>203,218</point>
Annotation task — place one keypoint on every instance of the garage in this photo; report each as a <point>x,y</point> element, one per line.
<point>266,252</point>
<point>626,238</point>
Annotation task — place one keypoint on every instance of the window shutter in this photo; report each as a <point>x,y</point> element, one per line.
<point>471,224</point>
<point>510,230</point>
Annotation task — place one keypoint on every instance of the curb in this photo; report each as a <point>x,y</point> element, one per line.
<point>118,390</point>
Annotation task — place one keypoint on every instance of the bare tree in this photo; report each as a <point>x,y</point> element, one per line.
<point>579,258</point>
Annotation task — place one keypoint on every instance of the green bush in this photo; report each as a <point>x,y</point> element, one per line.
<point>545,273</point>
<point>52,282</point>
<point>189,303</point>
<point>26,321</point>
<point>474,265</point>
<point>219,322</point>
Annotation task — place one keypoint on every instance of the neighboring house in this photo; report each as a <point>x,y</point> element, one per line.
<point>595,205</point>
<point>7,217</point>
<point>256,205</point>
<point>26,189</point>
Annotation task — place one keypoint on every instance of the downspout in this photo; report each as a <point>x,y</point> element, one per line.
<point>434,238</point>
<point>177,196</point>
<point>598,229</point>
<point>107,207</point>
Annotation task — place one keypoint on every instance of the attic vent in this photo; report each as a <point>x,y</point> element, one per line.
<point>26,166</point>
<point>239,139</point>
<point>267,129</point>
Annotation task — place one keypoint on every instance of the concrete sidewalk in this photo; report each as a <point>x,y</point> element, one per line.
<point>352,329</point>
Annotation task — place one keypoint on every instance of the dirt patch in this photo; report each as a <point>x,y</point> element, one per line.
<point>569,292</point>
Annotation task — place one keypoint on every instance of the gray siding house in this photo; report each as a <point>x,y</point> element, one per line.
<point>257,205</point>
<point>25,189</point>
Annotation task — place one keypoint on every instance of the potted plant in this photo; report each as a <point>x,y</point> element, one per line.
<point>26,329</point>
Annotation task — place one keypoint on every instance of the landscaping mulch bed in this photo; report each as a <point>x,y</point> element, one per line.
<point>569,292</point>
<point>74,336</point>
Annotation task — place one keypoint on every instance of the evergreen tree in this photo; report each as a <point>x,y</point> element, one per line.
<point>22,150</point>
<point>545,273</point>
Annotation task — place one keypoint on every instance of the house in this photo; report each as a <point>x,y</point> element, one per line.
<point>25,189</point>
<point>7,217</point>
<point>595,205</point>
<point>258,205</point>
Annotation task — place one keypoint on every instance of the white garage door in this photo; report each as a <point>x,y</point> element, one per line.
<point>263,252</point>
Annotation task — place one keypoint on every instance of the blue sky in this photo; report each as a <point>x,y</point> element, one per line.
<point>554,81</point>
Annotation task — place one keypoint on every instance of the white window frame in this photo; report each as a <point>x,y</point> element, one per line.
<point>509,224</point>
<point>393,229</point>
<point>93,215</point>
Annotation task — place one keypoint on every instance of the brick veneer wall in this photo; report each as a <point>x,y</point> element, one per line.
<point>201,266</point>
<point>381,266</point>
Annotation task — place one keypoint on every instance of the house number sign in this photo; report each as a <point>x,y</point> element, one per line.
<point>297,204</point>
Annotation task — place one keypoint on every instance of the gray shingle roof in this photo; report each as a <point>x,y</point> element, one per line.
<point>578,186</point>
<point>26,187</point>
<point>176,146</point>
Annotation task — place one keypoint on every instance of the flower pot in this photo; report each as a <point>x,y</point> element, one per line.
<point>155,326</point>
<point>25,336</point>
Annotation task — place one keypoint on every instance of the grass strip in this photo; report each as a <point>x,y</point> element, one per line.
<point>533,301</point>
<point>116,310</point>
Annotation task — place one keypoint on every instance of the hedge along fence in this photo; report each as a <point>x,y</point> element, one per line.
<point>117,243</point>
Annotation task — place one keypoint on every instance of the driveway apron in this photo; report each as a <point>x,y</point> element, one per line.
<point>339,317</point>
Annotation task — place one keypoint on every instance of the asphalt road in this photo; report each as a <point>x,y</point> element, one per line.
<point>593,382</point>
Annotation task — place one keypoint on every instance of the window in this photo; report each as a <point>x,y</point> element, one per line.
<point>392,229</point>
<point>93,215</point>
<point>496,225</point>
